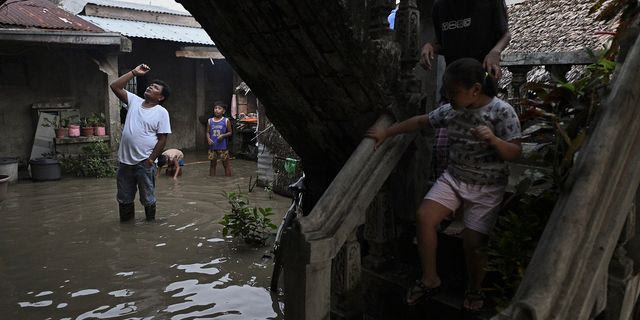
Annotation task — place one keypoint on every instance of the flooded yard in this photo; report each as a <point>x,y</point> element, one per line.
<point>65,255</point>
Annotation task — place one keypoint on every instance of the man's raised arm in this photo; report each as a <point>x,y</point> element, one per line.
<point>118,86</point>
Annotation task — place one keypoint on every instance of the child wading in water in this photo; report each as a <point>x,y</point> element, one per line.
<point>483,132</point>
<point>218,130</point>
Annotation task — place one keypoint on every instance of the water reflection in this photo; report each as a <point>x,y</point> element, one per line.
<point>85,292</point>
<point>248,301</point>
<point>38,304</point>
<point>121,293</point>
<point>202,267</point>
<point>64,255</point>
<point>107,312</point>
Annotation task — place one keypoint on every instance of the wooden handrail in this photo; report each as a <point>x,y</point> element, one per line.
<point>343,205</point>
<point>316,239</point>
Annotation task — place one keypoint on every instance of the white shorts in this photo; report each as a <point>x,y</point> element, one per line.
<point>479,202</point>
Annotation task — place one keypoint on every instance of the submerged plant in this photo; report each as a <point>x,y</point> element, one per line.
<point>252,224</point>
<point>269,189</point>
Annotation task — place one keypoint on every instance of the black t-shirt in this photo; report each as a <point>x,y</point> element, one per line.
<point>469,28</point>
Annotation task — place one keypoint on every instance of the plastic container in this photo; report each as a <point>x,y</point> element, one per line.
<point>44,169</point>
<point>74,130</point>
<point>9,167</point>
<point>4,184</point>
<point>99,131</point>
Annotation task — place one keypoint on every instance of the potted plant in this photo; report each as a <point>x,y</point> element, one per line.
<point>74,127</point>
<point>86,127</point>
<point>59,125</point>
<point>99,122</point>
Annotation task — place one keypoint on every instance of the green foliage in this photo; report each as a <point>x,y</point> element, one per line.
<point>564,112</point>
<point>569,108</point>
<point>252,224</point>
<point>57,122</point>
<point>97,120</point>
<point>94,161</point>
<point>84,122</point>
<point>515,238</point>
<point>269,189</point>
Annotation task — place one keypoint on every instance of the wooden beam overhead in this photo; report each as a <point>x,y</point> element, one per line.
<point>199,53</point>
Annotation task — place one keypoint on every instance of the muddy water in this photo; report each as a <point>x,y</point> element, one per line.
<point>64,255</point>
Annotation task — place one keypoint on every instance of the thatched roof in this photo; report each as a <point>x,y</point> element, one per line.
<point>555,26</point>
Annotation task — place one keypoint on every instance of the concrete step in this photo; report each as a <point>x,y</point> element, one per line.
<point>385,289</point>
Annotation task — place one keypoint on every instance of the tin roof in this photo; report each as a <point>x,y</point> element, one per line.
<point>140,29</point>
<point>137,6</point>
<point>41,14</point>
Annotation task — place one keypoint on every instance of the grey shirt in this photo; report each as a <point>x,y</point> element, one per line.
<point>471,160</point>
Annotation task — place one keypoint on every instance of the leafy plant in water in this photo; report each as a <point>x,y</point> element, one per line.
<point>269,189</point>
<point>252,224</point>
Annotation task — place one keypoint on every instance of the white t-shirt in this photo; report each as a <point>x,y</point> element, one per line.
<point>139,135</point>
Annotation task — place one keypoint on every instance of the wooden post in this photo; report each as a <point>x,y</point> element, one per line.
<point>108,64</point>
<point>201,109</point>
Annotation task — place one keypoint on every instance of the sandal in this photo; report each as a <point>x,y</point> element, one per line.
<point>474,300</point>
<point>420,292</point>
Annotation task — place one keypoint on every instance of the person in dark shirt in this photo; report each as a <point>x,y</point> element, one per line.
<point>469,29</point>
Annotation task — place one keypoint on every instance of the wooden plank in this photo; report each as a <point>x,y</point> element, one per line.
<point>43,137</point>
<point>199,53</point>
<point>97,10</point>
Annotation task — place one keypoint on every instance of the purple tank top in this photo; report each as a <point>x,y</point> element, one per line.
<point>216,129</point>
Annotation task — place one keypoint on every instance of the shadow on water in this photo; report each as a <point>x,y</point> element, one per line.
<point>64,255</point>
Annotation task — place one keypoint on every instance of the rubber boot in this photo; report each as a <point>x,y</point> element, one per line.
<point>126,211</point>
<point>150,212</point>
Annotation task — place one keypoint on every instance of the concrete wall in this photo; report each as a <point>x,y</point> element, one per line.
<point>33,74</point>
<point>187,103</point>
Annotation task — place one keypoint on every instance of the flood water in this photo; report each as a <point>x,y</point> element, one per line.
<point>65,255</point>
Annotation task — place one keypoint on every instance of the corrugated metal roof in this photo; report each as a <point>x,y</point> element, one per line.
<point>149,30</point>
<point>137,6</point>
<point>41,14</point>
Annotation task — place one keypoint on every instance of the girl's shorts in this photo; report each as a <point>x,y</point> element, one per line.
<point>479,202</point>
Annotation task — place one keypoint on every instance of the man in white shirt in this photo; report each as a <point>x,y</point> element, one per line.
<point>143,137</point>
